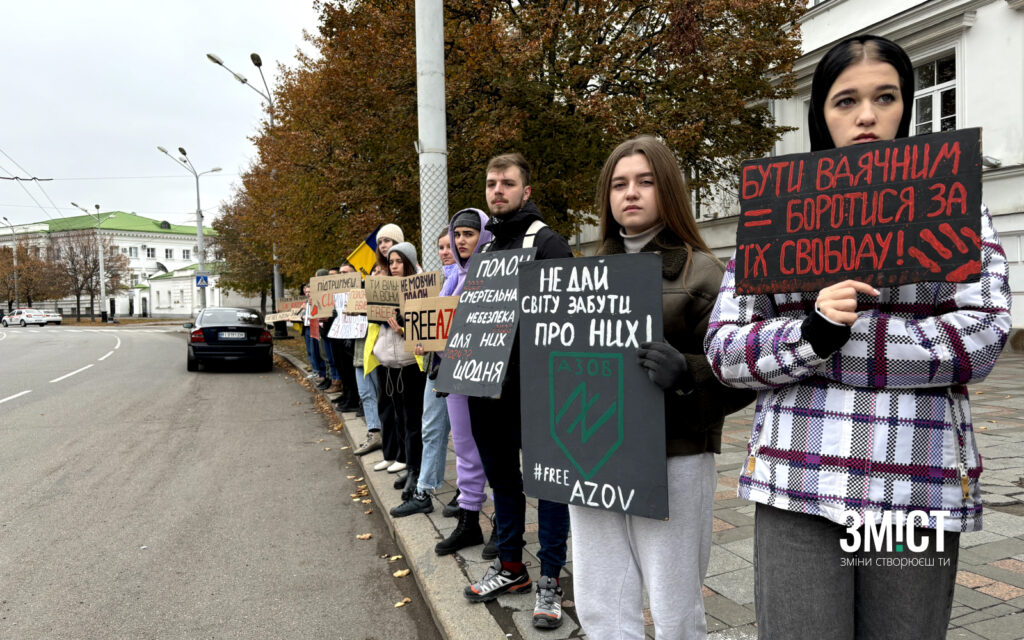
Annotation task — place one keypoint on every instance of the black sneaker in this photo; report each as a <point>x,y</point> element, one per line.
<point>547,613</point>
<point>498,581</point>
<point>418,503</point>
<point>490,551</point>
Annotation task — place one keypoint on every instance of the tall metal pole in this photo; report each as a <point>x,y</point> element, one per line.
<point>99,254</point>
<point>431,146</point>
<point>269,97</point>
<point>14,235</point>
<point>200,249</point>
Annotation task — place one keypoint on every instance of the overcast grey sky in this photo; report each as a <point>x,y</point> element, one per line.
<point>91,87</point>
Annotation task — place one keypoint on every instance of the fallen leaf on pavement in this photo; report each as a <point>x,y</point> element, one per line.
<point>368,511</point>
<point>404,602</point>
<point>364,536</point>
<point>327,448</point>
<point>367,501</point>
<point>393,558</point>
<point>350,477</point>
<point>359,479</point>
<point>401,573</point>
<point>343,448</point>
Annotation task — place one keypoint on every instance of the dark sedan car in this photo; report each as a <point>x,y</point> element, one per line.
<point>226,334</point>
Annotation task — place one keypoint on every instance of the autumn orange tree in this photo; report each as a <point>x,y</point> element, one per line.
<point>562,82</point>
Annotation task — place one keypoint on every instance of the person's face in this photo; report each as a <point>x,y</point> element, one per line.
<point>305,291</point>
<point>396,265</point>
<point>634,195</point>
<point>505,191</point>
<point>347,269</point>
<point>465,240</point>
<point>332,272</point>
<point>379,270</point>
<point>864,104</point>
<point>384,245</point>
<point>444,249</point>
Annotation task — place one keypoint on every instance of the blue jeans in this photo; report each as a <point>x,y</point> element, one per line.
<point>313,352</point>
<point>367,386</point>
<point>435,440</point>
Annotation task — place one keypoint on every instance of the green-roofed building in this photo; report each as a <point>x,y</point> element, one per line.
<point>152,247</point>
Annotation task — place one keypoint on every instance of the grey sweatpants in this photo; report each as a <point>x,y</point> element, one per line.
<point>616,555</point>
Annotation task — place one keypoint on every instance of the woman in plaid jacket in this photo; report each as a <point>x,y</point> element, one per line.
<point>863,410</point>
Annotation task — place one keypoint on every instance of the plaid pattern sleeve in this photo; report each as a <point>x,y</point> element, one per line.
<point>931,334</point>
<point>882,425</point>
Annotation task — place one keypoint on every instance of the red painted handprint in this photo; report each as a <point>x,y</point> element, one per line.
<point>964,271</point>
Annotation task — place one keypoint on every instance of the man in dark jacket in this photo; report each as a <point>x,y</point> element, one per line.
<point>516,222</point>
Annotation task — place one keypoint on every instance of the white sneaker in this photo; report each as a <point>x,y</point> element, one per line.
<point>382,465</point>
<point>396,467</point>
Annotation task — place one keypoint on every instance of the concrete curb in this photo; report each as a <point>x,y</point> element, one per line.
<point>440,579</point>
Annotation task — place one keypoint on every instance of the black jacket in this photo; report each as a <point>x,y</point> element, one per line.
<point>510,230</point>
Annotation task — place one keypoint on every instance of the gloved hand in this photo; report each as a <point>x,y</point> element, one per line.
<point>666,367</point>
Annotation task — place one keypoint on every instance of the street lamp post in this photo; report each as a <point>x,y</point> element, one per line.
<point>15,237</point>
<point>268,96</point>
<point>200,249</point>
<point>99,252</point>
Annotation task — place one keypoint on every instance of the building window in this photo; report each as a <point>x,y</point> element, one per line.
<point>151,252</point>
<point>186,254</point>
<point>124,249</point>
<point>133,252</point>
<point>935,96</point>
<point>169,254</point>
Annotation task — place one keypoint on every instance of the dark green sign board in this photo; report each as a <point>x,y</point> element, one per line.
<point>593,422</point>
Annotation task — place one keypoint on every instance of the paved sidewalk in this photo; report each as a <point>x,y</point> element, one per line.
<point>989,599</point>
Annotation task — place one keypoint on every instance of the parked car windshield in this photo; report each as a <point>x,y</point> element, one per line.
<point>230,316</point>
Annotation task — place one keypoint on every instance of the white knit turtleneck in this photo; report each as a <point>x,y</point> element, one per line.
<point>634,243</point>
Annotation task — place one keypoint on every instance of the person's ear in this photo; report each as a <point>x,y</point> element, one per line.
<point>526,193</point>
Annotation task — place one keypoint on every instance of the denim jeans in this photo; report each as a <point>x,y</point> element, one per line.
<point>313,352</point>
<point>435,440</point>
<point>806,586</point>
<point>367,386</point>
<point>496,429</point>
<point>329,352</point>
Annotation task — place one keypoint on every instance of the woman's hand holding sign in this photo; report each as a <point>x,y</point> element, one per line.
<point>838,302</point>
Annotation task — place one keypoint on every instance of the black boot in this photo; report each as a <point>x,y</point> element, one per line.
<point>490,551</point>
<point>400,479</point>
<point>467,533</point>
<point>410,485</point>
<point>452,508</point>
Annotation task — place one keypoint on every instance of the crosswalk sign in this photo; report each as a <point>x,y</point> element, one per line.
<point>202,281</point>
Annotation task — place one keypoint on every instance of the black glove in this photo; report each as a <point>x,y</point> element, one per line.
<point>666,367</point>
<point>441,394</point>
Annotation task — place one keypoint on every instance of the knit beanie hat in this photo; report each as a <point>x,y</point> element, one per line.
<point>407,250</point>
<point>392,231</point>
<point>469,218</point>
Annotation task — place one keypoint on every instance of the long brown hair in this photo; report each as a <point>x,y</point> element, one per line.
<point>673,195</point>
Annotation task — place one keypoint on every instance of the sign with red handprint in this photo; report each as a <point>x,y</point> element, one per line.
<point>884,213</point>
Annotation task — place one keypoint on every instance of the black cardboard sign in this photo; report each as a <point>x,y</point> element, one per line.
<point>593,422</point>
<point>884,213</point>
<point>475,361</point>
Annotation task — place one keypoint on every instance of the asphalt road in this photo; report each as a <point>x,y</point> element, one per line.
<point>141,501</point>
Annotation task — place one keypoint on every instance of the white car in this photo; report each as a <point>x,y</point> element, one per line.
<point>52,317</point>
<point>24,317</point>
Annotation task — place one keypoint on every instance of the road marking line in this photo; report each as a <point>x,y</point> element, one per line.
<point>68,375</point>
<point>75,330</point>
<point>17,395</point>
<point>118,345</point>
<point>109,353</point>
